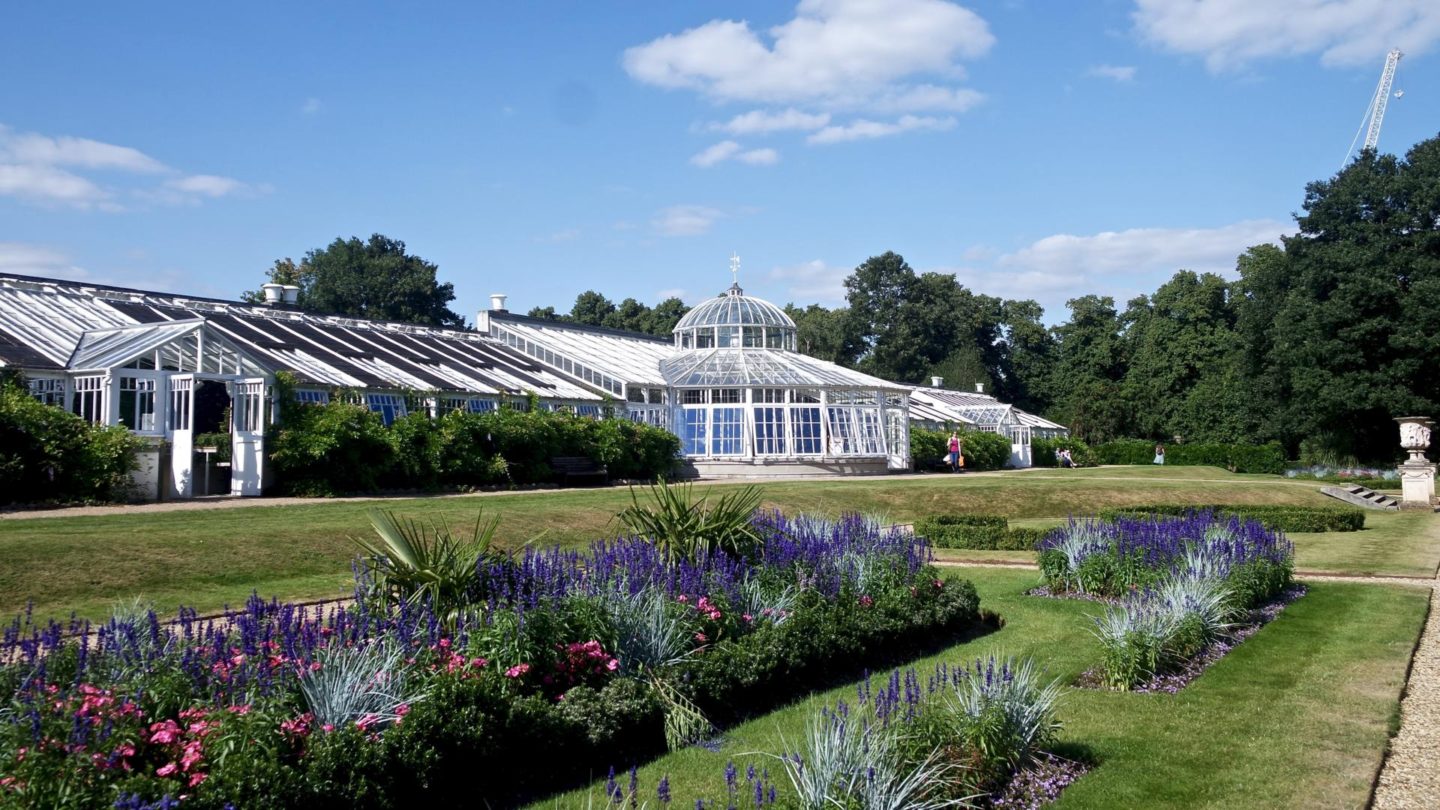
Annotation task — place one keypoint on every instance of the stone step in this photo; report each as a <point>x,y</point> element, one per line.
<point>1361,496</point>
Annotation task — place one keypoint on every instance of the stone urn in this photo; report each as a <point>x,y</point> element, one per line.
<point>1417,474</point>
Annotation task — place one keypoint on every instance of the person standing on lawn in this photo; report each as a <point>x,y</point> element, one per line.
<point>954,452</point>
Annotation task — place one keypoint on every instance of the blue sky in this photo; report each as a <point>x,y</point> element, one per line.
<point>1035,149</point>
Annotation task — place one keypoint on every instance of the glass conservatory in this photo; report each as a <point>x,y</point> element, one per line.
<point>742,396</point>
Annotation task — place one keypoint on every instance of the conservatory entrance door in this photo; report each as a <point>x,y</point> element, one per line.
<point>247,435</point>
<point>897,439</point>
<point>180,427</point>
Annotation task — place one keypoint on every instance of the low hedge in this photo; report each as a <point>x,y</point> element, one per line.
<point>977,532</point>
<point>1238,458</point>
<point>1272,517</point>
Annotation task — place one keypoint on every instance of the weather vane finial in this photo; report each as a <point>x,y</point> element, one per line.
<point>735,267</point>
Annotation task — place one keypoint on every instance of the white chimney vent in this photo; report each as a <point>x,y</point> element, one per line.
<point>497,302</point>
<point>979,388</point>
<point>292,294</point>
<point>937,382</point>
<point>272,292</point>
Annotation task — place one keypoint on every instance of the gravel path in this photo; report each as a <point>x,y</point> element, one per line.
<point>1411,776</point>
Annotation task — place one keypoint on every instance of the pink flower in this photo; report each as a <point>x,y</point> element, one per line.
<point>700,637</point>
<point>517,670</point>
<point>240,710</point>
<point>167,769</point>
<point>164,733</point>
<point>747,618</point>
<point>613,664</point>
<point>197,778</point>
<point>682,599</point>
<point>866,601</point>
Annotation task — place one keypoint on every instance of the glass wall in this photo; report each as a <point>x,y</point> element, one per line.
<point>781,422</point>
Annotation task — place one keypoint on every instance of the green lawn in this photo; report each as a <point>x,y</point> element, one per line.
<point>207,559</point>
<point>1391,544</point>
<point>1297,716</point>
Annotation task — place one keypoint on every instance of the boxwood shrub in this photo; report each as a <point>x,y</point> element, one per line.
<point>978,532</point>
<point>1272,516</point>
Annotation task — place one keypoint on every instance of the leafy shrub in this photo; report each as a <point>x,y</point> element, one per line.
<point>331,449</point>
<point>985,451</point>
<point>928,448</point>
<point>460,449</point>
<point>48,455</point>
<point>1274,517</point>
<point>1042,451</point>
<point>1237,458</point>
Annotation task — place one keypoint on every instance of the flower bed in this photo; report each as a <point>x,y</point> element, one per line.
<point>556,666</point>
<point>959,735</point>
<point>1180,587</point>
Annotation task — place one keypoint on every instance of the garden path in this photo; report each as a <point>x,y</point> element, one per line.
<point>1411,775</point>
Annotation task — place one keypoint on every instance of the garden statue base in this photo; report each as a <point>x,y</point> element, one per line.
<point>1417,482</point>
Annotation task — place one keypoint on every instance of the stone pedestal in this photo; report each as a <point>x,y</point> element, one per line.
<point>1417,474</point>
<point>1417,482</point>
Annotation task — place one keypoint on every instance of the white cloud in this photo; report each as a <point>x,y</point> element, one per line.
<point>37,260</point>
<point>723,150</point>
<point>926,97</point>
<point>312,106</point>
<point>41,169</point>
<point>864,129</point>
<point>759,122</point>
<point>730,150</point>
<point>1145,250</point>
<point>685,220</point>
<point>206,185</point>
<point>759,157</point>
<point>813,281</point>
<point>676,292</point>
<point>840,54</point>
<point>49,185</point>
<point>1229,33</point>
<point>39,150</point>
<point>1119,73</point>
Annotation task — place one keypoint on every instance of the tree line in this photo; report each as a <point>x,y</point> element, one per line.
<point>1317,343</point>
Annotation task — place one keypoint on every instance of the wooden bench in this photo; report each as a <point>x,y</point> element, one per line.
<point>570,470</point>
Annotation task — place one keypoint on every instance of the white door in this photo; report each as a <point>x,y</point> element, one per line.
<point>897,439</point>
<point>247,436</point>
<point>179,428</point>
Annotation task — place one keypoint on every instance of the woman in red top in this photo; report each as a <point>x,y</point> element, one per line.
<point>954,448</point>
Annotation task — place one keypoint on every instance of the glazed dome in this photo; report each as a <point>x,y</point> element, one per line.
<point>735,308</point>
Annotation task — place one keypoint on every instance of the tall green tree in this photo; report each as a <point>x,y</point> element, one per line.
<point>1358,332</point>
<point>1030,356</point>
<point>827,334</point>
<point>591,308</point>
<point>1090,365</point>
<point>1177,338</point>
<point>375,279</point>
<point>664,316</point>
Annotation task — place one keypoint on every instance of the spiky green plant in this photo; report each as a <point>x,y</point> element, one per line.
<point>412,563</point>
<point>686,527</point>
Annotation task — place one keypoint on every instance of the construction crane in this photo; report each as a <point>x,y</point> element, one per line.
<point>1375,112</point>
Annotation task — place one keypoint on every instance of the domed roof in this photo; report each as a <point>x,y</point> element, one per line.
<point>735,308</point>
